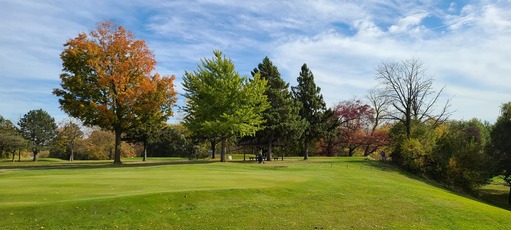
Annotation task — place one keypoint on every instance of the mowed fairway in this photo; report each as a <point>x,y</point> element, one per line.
<point>322,193</point>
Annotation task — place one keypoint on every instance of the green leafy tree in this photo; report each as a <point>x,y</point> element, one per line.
<point>10,139</point>
<point>459,158</point>
<point>64,145</point>
<point>500,147</point>
<point>282,117</point>
<point>312,107</point>
<point>108,81</point>
<point>68,136</point>
<point>7,130</point>
<point>412,152</point>
<point>220,103</point>
<point>171,141</point>
<point>39,128</point>
<point>151,125</point>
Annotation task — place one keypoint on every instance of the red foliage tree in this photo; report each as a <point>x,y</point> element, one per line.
<point>355,119</point>
<point>376,139</point>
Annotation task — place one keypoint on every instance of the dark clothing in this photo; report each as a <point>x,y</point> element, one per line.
<point>383,157</point>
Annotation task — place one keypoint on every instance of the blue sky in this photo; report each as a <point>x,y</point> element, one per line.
<point>466,45</point>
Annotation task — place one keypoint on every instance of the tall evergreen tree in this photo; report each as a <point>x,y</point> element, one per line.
<point>312,109</point>
<point>220,103</point>
<point>282,117</point>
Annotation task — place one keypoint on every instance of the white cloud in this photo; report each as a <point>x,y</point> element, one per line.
<point>495,20</point>
<point>341,41</point>
<point>408,23</point>
<point>366,28</point>
<point>344,66</point>
<point>452,7</point>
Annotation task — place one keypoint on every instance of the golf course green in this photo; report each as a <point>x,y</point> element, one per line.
<point>321,193</point>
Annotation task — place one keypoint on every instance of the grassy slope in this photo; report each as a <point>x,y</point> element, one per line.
<point>321,193</point>
<point>496,193</point>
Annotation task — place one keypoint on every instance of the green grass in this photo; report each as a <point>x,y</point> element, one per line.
<point>322,193</point>
<point>496,193</point>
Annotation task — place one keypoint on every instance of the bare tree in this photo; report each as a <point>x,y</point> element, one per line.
<point>380,105</point>
<point>410,92</point>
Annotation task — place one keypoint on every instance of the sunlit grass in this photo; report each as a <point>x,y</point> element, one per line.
<point>333,193</point>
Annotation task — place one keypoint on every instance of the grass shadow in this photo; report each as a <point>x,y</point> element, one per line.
<point>105,164</point>
<point>493,197</point>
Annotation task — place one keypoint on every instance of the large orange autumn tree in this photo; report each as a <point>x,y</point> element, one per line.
<point>108,81</point>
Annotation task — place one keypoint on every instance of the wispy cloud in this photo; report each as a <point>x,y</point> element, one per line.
<point>464,44</point>
<point>463,52</point>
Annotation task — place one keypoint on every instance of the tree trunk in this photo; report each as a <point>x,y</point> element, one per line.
<point>282,153</point>
<point>213,147</point>
<point>306,150</point>
<point>408,122</point>
<point>13,155</point>
<point>19,155</point>
<point>330,148</point>
<point>222,152</point>
<point>35,151</point>
<point>509,197</point>
<point>269,155</point>
<point>351,151</point>
<point>144,154</point>
<point>72,155</point>
<point>366,151</point>
<point>117,155</point>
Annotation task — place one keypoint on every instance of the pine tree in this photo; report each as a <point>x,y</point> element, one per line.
<point>312,107</point>
<point>282,117</point>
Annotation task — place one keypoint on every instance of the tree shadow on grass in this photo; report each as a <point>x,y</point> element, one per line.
<point>493,197</point>
<point>243,162</point>
<point>380,165</point>
<point>91,165</point>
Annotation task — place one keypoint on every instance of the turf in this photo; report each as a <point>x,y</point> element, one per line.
<point>322,193</point>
